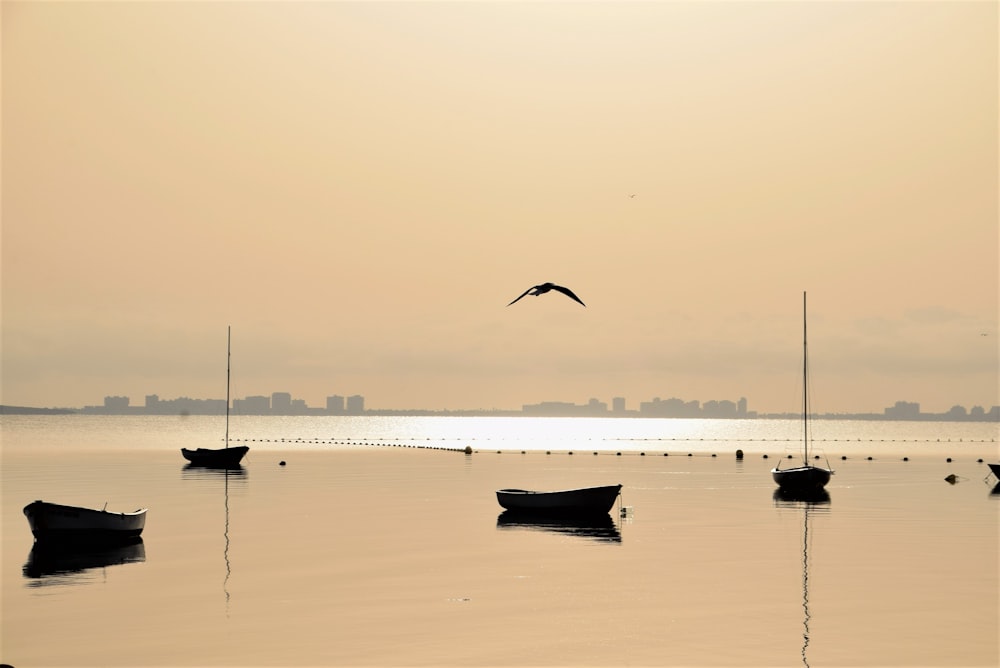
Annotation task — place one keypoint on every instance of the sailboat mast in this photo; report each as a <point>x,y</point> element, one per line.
<point>805,385</point>
<point>228,338</point>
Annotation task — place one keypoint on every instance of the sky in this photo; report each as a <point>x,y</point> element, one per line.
<point>358,189</point>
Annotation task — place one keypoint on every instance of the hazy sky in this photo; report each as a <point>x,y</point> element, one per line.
<point>360,188</point>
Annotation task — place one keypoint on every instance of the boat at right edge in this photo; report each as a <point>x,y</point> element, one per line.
<point>804,479</point>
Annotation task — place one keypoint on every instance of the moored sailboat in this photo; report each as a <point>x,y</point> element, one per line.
<point>219,457</point>
<point>806,478</point>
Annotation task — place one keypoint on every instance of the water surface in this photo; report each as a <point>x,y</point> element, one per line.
<point>380,543</point>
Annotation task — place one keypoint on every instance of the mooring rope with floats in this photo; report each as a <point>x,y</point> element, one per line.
<point>466,448</point>
<point>412,442</point>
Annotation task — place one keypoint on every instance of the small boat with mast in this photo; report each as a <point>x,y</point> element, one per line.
<point>803,479</point>
<point>227,457</point>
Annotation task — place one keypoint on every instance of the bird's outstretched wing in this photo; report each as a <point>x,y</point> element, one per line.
<point>523,294</point>
<point>568,293</point>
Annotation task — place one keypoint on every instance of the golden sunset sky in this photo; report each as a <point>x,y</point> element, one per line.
<point>360,188</point>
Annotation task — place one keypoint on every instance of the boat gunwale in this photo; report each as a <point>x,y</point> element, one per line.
<point>38,503</point>
<point>573,490</point>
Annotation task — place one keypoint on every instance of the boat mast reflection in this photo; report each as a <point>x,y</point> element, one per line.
<point>238,473</point>
<point>815,501</point>
<point>225,549</point>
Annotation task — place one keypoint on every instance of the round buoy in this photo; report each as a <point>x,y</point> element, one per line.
<point>281,463</point>
<point>765,456</point>
<point>948,460</point>
<point>468,449</point>
<point>739,454</point>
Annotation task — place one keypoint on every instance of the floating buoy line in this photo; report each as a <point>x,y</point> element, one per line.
<point>463,445</point>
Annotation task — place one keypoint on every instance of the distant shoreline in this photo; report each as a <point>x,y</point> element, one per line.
<point>97,410</point>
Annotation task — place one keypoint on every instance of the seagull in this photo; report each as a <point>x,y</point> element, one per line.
<point>545,287</point>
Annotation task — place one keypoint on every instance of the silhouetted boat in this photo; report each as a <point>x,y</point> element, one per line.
<point>803,478</point>
<point>52,522</point>
<point>226,457</point>
<point>583,501</point>
<point>46,559</point>
<point>596,526</point>
<point>221,458</point>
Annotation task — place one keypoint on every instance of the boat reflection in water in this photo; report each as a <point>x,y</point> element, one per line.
<point>817,500</point>
<point>595,527</point>
<point>226,472</point>
<point>236,471</point>
<point>51,562</point>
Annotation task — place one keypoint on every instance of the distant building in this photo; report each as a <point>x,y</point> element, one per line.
<point>281,403</point>
<point>672,407</point>
<point>116,403</point>
<point>618,405</point>
<point>356,404</point>
<point>903,410</point>
<point>335,404</point>
<point>252,405</point>
<point>957,413</point>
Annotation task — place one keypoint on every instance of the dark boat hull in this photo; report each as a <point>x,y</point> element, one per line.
<point>52,522</point>
<point>802,479</point>
<point>583,501</point>
<point>215,458</point>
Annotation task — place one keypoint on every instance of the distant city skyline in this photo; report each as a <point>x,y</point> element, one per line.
<point>284,403</point>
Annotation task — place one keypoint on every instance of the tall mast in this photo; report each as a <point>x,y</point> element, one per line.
<point>228,329</point>
<point>805,385</point>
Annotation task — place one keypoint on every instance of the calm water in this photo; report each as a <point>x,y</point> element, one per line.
<point>381,544</point>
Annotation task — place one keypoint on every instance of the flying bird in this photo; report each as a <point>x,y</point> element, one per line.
<point>545,287</point>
